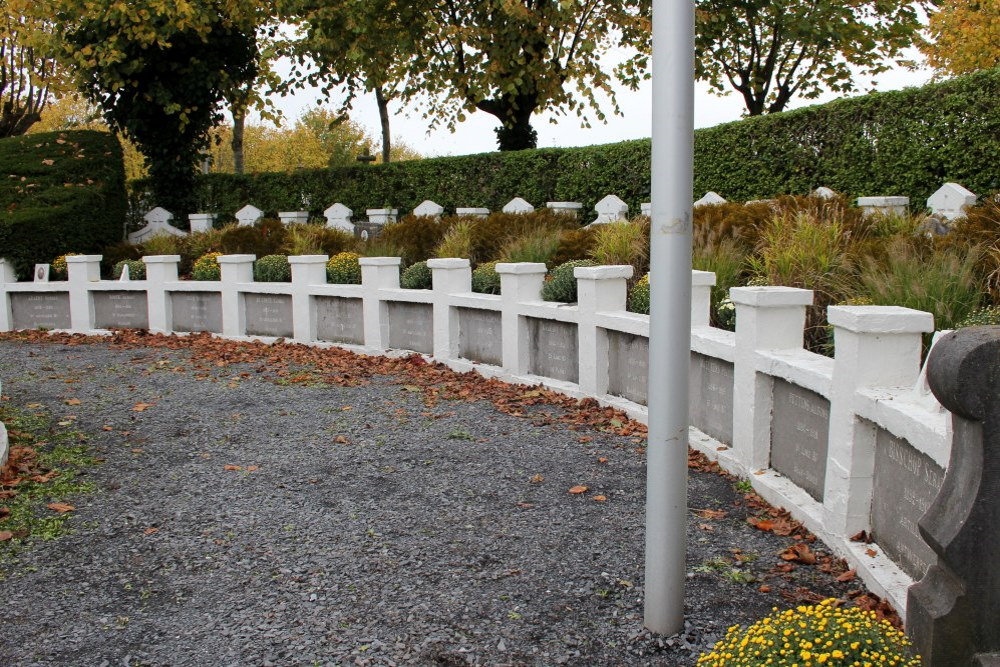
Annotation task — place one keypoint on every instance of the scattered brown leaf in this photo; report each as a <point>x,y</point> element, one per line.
<point>578,489</point>
<point>60,507</point>
<point>140,407</point>
<point>537,479</point>
<point>710,514</point>
<point>600,499</point>
<point>232,467</point>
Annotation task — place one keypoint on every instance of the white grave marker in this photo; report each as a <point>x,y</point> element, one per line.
<point>293,217</point>
<point>646,208</point>
<point>518,205</point>
<point>950,200</point>
<point>884,205</point>
<point>429,209</point>
<point>610,209</point>
<point>338,216</point>
<point>382,216</point>
<point>710,199</point>
<point>126,276</point>
<point>824,192</point>
<point>157,224</point>
<point>201,222</point>
<point>565,207</point>
<point>473,212</point>
<point>248,215</point>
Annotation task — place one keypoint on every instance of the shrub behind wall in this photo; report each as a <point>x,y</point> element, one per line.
<point>60,192</point>
<point>904,142</point>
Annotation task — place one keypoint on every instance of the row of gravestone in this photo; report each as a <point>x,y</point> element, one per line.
<point>948,204</point>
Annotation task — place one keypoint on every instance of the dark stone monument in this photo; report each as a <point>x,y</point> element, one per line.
<point>712,397</point>
<point>196,311</point>
<point>340,320</point>
<point>480,336</point>
<point>905,484</point>
<point>553,349</point>
<point>120,310</point>
<point>953,613</point>
<point>411,326</point>
<point>800,429</point>
<point>46,310</point>
<point>628,366</point>
<point>269,315</point>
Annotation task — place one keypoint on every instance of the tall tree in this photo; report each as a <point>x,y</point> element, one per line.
<point>508,58</point>
<point>965,36</point>
<point>772,50</point>
<point>159,71</point>
<point>28,73</point>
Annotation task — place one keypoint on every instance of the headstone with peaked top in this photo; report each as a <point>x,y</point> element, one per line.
<point>710,199</point>
<point>610,209</point>
<point>518,205</point>
<point>429,209</point>
<point>646,208</point>
<point>157,224</point>
<point>950,200</point>
<point>248,216</point>
<point>824,192</point>
<point>338,216</point>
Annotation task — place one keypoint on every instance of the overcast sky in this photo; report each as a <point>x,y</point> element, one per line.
<point>476,134</point>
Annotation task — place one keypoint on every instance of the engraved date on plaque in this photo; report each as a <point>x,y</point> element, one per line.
<point>40,311</point>
<point>269,315</point>
<point>120,310</point>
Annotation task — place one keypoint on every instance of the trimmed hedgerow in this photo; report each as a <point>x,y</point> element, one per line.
<point>272,269</point>
<point>416,276</point>
<point>905,142</point>
<point>60,192</point>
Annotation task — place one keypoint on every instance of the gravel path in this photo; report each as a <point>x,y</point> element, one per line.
<point>363,528</point>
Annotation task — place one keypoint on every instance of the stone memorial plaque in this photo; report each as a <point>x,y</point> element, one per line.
<point>49,310</point>
<point>711,386</point>
<point>906,482</point>
<point>269,315</point>
<point>800,425</point>
<point>628,366</point>
<point>553,349</point>
<point>479,336</point>
<point>196,311</point>
<point>411,326</point>
<point>339,320</point>
<point>120,310</point>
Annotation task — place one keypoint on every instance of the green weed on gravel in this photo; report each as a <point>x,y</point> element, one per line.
<point>52,475</point>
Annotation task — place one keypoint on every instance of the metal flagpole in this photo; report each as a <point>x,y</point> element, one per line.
<point>670,313</point>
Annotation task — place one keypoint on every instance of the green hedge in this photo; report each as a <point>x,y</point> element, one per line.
<point>60,192</point>
<point>905,142</point>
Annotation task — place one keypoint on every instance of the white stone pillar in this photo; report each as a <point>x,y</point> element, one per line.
<point>307,270</point>
<point>767,318</point>
<point>600,289</point>
<point>83,270</point>
<point>235,270</point>
<point>520,282</point>
<point>377,273</point>
<point>160,270</point>
<point>876,346</point>
<point>7,276</point>
<point>450,276</point>
<point>702,283</point>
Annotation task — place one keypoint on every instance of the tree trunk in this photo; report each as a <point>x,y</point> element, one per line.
<point>516,133</point>
<point>239,123</point>
<point>383,114</point>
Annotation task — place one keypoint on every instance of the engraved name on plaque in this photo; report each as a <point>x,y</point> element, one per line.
<point>269,315</point>
<point>340,320</point>
<point>196,311</point>
<point>120,310</point>
<point>49,310</point>
<point>800,424</point>
<point>553,349</point>
<point>479,336</point>
<point>411,326</point>
<point>905,484</point>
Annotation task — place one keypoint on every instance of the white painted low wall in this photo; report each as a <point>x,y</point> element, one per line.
<point>846,444</point>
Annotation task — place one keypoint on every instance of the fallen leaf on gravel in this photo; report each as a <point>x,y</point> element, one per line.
<point>708,528</point>
<point>33,406</point>
<point>764,589</point>
<point>600,499</point>
<point>871,553</point>
<point>784,567</point>
<point>537,479</point>
<point>138,450</point>
<point>711,514</point>
<point>799,552</point>
<point>108,428</point>
<point>603,459</point>
<point>847,576</point>
<point>5,535</point>
<point>60,507</point>
<point>760,524</point>
<point>525,506</point>
<point>585,439</point>
<point>150,531</point>
<point>579,489</point>
<point>231,467</point>
<point>347,407</point>
<point>252,468</point>
<point>73,401</point>
<point>139,407</point>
